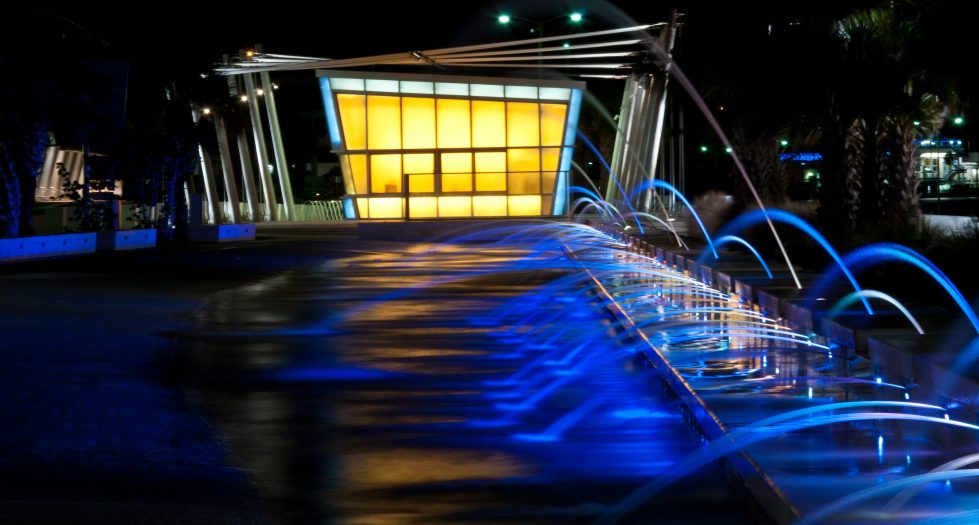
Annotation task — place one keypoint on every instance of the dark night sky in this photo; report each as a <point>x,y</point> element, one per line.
<point>194,39</point>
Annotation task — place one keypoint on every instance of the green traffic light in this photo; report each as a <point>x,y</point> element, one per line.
<point>917,122</point>
<point>503,19</point>
<point>565,45</point>
<point>783,142</point>
<point>575,17</point>
<point>703,149</point>
<point>958,121</point>
<point>728,150</point>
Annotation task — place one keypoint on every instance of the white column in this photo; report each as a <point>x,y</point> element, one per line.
<point>248,178</point>
<point>268,191</point>
<point>281,167</point>
<point>228,171</point>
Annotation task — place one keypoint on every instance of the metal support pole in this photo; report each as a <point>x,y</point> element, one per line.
<point>210,187</point>
<point>668,37</point>
<point>228,171</point>
<point>282,168</point>
<point>268,191</point>
<point>248,178</point>
<point>207,173</point>
<point>622,138</point>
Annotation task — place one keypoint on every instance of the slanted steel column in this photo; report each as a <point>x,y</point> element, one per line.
<point>281,167</point>
<point>228,170</point>
<point>667,37</point>
<point>622,138</point>
<point>268,191</point>
<point>248,178</point>
<point>207,173</point>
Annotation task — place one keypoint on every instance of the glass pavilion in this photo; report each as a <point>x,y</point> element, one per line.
<point>429,146</point>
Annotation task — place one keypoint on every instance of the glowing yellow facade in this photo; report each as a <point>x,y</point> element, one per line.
<point>425,146</point>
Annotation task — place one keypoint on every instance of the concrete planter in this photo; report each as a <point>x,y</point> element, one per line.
<point>222,233</point>
<point>119,240</point>
<point>43,246</point>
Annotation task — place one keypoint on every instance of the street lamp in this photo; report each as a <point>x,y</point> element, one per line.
<point>538,29</point>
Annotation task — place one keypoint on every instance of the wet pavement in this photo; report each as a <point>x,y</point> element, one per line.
<point>310,377</point>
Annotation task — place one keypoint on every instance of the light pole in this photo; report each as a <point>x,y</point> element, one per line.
<point>538,29</point>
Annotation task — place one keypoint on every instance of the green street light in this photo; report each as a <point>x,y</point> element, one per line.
<point>575,17</point>
<point>503,19</point>
<point>958,120</point>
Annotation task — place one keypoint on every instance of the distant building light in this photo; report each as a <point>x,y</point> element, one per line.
<point>259,92</point>
<point>206,111</point>
<point>244,98</point>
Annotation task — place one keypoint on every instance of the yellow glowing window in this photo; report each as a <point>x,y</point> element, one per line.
<point>524,205</point>
<point>523,166</point>
<point>383,122</point>
<point>457,172</point>
<point>418,123</point>
<point>457,162</point>
<point>552,124</point>
<point>456,182</point>
<point>489,206</point>
<point>523,183</point>
<point>348,180</point>
<point>362,209</point>
<point>422,207</point>
<point>385,207</point>
<point>358,172</point>
<point>419,163</point>
<point>455,206</point>
<point>453,123</point>
<point>523,123</point>
<point>549,162</point>
<point>491,181</point>
<point>420,168</point>
<point>385,173</point>
<point>489,124</point>
<point>491,171</point>
<point>523,159</point>
<point>353,118</point>
<point>487,161</point>
<point>421,183</point>
<point>546,204</point>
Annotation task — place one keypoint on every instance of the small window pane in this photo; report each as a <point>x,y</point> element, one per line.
<point>486,90</point>
<point>386,86</point>
<point>521,92</point>
<point>411,86</point>
<point>449,88</point>
<point>455,206</point>
<point>383,122</point>
<point>385,173</point>
<point>453,123</point>
<point>348,84</point>
<point>523,124</point>
<point>555,93</point>
<point>489,206</point>
<point>489,124</point>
